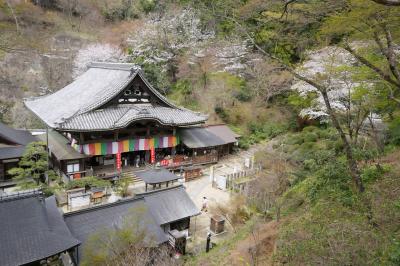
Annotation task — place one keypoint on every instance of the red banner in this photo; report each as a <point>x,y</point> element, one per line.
<point>118,157</point>
<point>152,155</point>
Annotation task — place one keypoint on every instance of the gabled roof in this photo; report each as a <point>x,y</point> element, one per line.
<point>15,136</point>
<point>32,229</point>
<point>74,104</point>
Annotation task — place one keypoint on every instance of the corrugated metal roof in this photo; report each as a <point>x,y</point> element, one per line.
<point>32,230</point>
<point>153,176</point>
<point>199,137</point>
<point>170,205</point>
<point>223,132</point>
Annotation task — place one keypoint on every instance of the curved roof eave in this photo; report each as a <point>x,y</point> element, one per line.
<point>131,121</point>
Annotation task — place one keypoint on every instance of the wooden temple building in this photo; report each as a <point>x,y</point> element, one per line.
<point>12,147</point>
<point>111,119</point>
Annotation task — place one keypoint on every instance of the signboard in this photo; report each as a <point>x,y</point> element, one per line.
<point>152,155</point>
<point>118,157</point>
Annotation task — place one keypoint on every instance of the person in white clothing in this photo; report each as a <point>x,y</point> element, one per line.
<point>204,206</point>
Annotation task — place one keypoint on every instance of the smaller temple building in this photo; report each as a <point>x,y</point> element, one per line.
<point>33,231</point>
<point>12,147</point>
<point>156,213</point>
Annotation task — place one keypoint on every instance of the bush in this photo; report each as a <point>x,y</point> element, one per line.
<point>394,131</point>
<point>310,137</point>
<point>372,173</point>
<point>220,111</point>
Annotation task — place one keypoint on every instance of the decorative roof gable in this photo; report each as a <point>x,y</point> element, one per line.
<point>101,87</point>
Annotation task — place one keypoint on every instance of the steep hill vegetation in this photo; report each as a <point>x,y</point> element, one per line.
<point>319,79</point>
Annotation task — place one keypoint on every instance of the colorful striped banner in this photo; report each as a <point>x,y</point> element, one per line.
<point>142,144</point>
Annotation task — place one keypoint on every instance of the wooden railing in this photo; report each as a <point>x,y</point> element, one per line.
<point>179,160</point>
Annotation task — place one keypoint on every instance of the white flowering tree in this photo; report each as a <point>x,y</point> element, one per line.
<point>97,52</point>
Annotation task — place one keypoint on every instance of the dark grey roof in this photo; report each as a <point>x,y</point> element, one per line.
<point>11,152</point>
<point>71,107</point>
<point>223,132</point>
<point>170,205</point>
<point>15,136</point>
<point>153,209</point>
<point>122,115</point>
<point>60,146</point>
<point>32,229</point>
<point>199,137</point>
<point>86,222</point>
<point>159,175</point>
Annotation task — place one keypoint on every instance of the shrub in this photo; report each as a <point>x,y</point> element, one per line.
<point>372,173</point>
<point>220,111</point>
<point>310,137</point>
<point>394,131</point>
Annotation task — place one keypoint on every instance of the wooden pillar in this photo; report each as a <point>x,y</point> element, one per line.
<point>148,131</point>
<point>81,138</point>
<point>116,135</point>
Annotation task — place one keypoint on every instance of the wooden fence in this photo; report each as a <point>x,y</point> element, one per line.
<point>238,181</point>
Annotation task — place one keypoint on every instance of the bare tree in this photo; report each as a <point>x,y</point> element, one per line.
<point>127,243</point>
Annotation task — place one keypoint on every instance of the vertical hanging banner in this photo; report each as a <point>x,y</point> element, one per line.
<point>118,157</point>
<point>152,155</point>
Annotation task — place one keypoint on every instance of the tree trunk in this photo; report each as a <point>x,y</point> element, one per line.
<point>352,164</point>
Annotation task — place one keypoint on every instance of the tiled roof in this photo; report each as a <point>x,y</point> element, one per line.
<point>32,229</point>
<point>74,106</point>
<point>15,136</point>
<point>124,114</point>
<point>94,87</point>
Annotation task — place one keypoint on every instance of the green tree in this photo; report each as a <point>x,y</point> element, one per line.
<point>32,166</point>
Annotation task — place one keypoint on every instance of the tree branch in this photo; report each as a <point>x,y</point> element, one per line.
<point>14,15</point>
<point>390,54</point>
<point>388,2</point>
<point>370,65</point>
